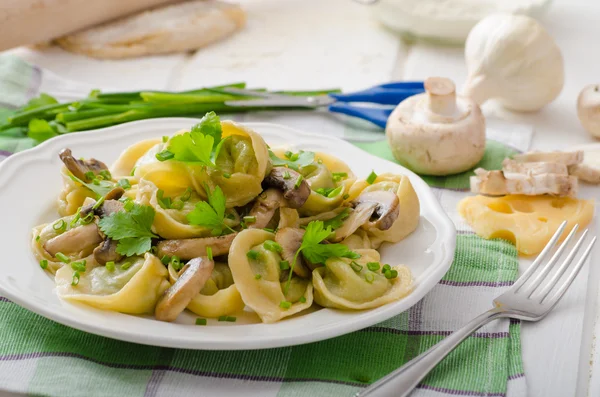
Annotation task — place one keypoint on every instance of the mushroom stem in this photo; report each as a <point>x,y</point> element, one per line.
<point>441,96</point>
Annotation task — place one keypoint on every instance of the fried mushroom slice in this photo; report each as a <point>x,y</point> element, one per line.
<point>265,206</point>
<point>190,248</point>
<point>80,167</point>
<point>79,239</point>
<point>107,252</point>
<point>378,209</point>
<point>176,298</point>
<point>286,179</point>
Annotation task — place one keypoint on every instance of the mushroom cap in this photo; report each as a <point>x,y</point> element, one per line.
<point>107,252</point>
<point>588,109</point>
<point>437,133</point>
<point>386,207</point>
<point>295,196</point>
<point>290,239</point>
<point>79,167</point>
<point>175,299</point>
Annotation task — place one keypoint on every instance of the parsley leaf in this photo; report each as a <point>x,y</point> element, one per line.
<point>303,159</point>
<point>132,229</point>
<point>315,252</point>
<point>197,146</point>
<point>101,188</point>
<point>210,214</point>
<point>337,221</point>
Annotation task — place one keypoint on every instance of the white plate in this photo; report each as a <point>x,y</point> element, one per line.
<point>30,182</point>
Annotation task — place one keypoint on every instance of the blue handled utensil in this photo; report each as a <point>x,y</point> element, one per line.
<point>386,95</point>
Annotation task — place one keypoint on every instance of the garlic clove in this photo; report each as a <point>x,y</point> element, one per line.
<point>588,109</point>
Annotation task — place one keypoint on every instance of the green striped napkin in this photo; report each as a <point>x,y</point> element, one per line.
<point>42,358</point>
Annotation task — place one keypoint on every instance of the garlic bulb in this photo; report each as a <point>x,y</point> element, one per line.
<point>437,133</point>
<point>513,59</point>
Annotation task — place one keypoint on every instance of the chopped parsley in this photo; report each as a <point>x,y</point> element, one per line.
<point>132,228</point>
<point>294,161</point>
<point>337,221</point>
<point>210,214</point>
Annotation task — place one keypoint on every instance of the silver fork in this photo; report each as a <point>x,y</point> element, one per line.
<point>527,299</point>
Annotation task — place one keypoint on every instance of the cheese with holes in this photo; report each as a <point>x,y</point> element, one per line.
<point>527,221</point>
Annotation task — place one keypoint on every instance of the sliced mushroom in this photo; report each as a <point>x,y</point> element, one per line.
<point>107,252</point>
<point>286,179</point>
<point>264,207</point>
<point>79,239</point>
<point>79,167</point>
<point>194,247</point>
<point>110,205</point>
<point>188,285</point>
<point>290,239</point>
<point>382,204</point>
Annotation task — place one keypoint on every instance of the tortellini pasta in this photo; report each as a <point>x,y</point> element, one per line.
<point>260,280</point>
<point>71,196</point>
<point>133,290</point>
<point>408,218</point>
<point>349,284</point>
<point>218,297</point>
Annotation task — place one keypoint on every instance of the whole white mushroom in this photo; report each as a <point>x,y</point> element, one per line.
<point>588,109</point>
<point>438,132</point>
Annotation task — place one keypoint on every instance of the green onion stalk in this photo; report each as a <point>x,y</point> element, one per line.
<point>44,117</point>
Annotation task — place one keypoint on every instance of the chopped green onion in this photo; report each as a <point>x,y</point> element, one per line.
<point>266,229</point>
<point>385,268</point>
<point>356,267</point>
<point>165,260</point>
<point>165,139</point>
<point>286,175</point>
<point>110,266</point>
<point>373,266</point>
<point>272,246</point>
<point>338,176</point>
<point>257,277</point>
<point>253,254</point>
<point>75,279</point>
<point>231,319</point>
<point>44,263</point>
<point>346,196</point>
<point>78,266</point>
<point>98,203</point>
<point>125,265</point>
<point>209,254</point>
<point>128,206</point>
<point>177,205</point>
<point>222,318</point>
<point>124,183</point>
<point>164,202</point>
<point>88,218</point>
<point>284,265</point>
<point>62,257</point>
<point>302,299</point>
<point>226,175</point>
<point>164,155</point>
<point>371,178</point>
<point>105,174</point>
<point>249,219</point>
<point>96,182</point>
<point>285,304</point>
<point>389,274</point>
<point>335,191</point>
<point>369,278</point>
<point>176,263</point>
<point>37,238</point>
<point>200,321</point>
<point>186,195</point>
<point>132,173</point>
<point>90,175</point>
<point>60,226</point>
<point>298,181</point>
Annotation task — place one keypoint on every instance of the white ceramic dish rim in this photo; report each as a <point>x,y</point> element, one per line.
<point>445,241</point>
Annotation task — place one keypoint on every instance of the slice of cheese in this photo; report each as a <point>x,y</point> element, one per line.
<point>536,168</point>
<point>499,183</point>
<point>529,222</point>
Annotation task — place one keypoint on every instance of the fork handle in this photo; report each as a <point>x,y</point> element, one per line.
<point>402,381</point>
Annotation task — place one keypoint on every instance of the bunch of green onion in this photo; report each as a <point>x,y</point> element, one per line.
<point>44,117</point>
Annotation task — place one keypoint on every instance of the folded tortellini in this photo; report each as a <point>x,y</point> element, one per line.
<point>126,163</point>
<point>218,297</point>
<point>349,284</point>
<point>260,280</point>
<point>133,290</point>
<point>72,195</point>
<point>409,214</point>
